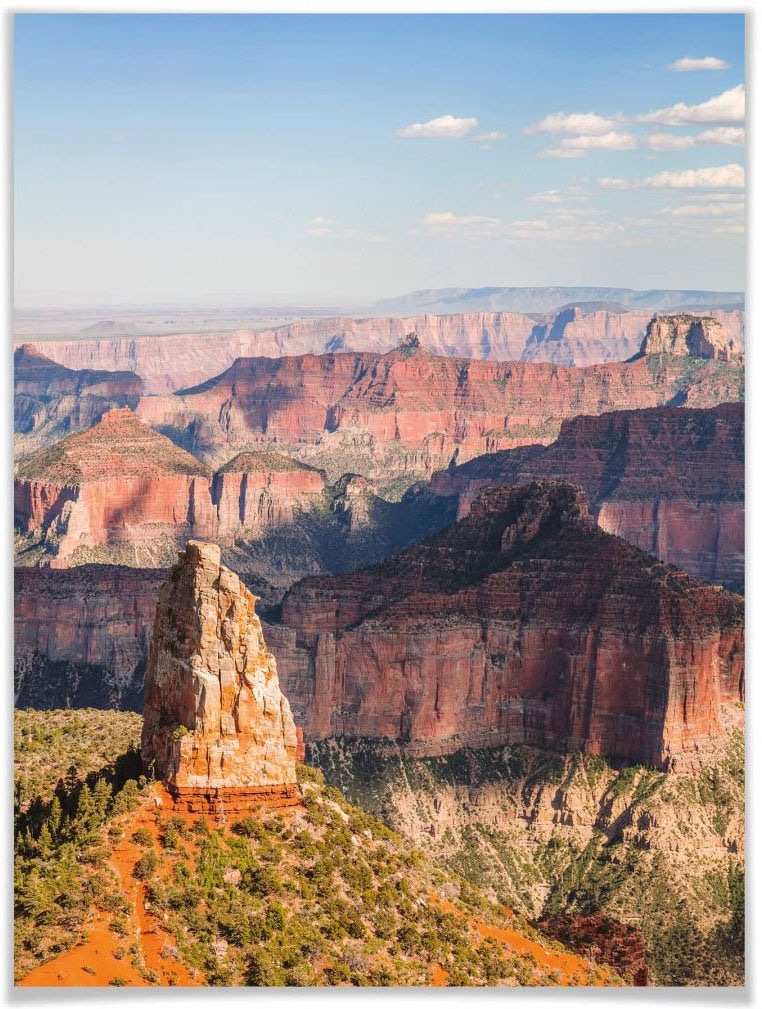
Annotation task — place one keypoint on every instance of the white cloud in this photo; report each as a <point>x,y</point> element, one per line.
<point>488,137</point>
<point>575,147</point>
<point>585,123</point>
<point>670,142</point>
<point>727,136</point>
<point>446,224</point>
<point>725,177</point>
<point>727,108</point>
<point>707,63</point>
<point>443,127</point>
<point>704,210</point>
<point>321,227</point>
<point>566,229</point>
<point>571,194</point>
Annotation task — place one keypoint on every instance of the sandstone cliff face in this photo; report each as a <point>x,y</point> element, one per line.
<point>522,623</point>
<point>216,725</point>
<point>81,636</point>
<point>405,414</point>
<point>51,401</point>
<point>571,337</point>
<point>690,336</point>
<point>122,491</point>
<point>670,480</point>
<point>119,482</point>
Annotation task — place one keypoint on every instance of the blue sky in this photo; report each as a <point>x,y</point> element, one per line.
<point>339,159</point>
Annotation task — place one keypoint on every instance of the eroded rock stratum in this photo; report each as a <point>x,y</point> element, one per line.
<point>217,728</point>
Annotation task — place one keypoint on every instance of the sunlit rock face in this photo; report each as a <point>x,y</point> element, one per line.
<point>217,728</point>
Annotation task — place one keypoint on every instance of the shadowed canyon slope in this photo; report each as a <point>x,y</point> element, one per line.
<point>669,480</point>
<point>51,401</point>
<point>573,335</point>
<point>523,623</point>
<point>402,415</point>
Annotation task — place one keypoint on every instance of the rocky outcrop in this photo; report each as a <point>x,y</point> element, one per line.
<point>523,623</point>
<point>400,416</point>
<point>603,940</point>
<point>51,401</point>
<point>261,490</point>
<point>690,336</point>
<point>217,728</point>
<point>573,335</point>
<point>670,480</point>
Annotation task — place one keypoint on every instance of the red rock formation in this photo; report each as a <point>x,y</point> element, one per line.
<point>216,728</point>
<point>105,485</point>
<point>408,412</point>
<point>602,940</point>
<point>572,337</point>
<point>261,490</point>
<point>522,623</point>
<point>123,485</point>
<point>670,480</point>
<point>81,635</point>
<point>690,336</point>
<point>51,401</point>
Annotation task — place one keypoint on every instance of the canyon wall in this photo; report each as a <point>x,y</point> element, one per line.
<point>51,401</point>
<point>523,623</point>
<point>670,480</point>
<point>402,415</point>
<point>570,336</point>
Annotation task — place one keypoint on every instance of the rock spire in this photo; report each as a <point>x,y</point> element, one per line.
<point>217,727</point>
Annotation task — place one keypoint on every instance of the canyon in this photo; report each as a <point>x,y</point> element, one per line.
<point>400,416</point>
<point>571,335</point>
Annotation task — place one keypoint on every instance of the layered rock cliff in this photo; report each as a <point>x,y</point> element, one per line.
<point>81,636</point>
<point>51,401</point>
<point>117,483</point>
<point>400,416</point>
<point>523,623</point>
<point>216,727</point>
<point>570,336</point>
<point>690,336</point>
<point>670,480</point>
<point>125,493</point>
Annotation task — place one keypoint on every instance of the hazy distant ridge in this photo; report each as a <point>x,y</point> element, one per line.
<point>447,300</point>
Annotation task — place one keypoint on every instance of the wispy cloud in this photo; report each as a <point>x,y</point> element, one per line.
<point>571,194</point>
<point>487,139</point>
<point>726,136</point>
<point>707,63</point>
<point>584,123</point>
<point>720,209</point>
<point>321,227</point>
<point>565,228</point>
<point>726,109</point>
<point>575,147</point>
<point>446,224</point>
<point>725,177</point>
<point>442,128</point>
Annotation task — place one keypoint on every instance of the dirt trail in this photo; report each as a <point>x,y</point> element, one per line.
<point>95,962</point>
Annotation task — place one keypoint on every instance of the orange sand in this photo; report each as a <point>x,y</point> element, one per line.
<point>572,970</point>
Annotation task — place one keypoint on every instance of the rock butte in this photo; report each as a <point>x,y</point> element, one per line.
<point>522,623</point>
<point>217,728</point>
<point>570,336</point>
<point>122,483</point>
<point>686,335</point>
